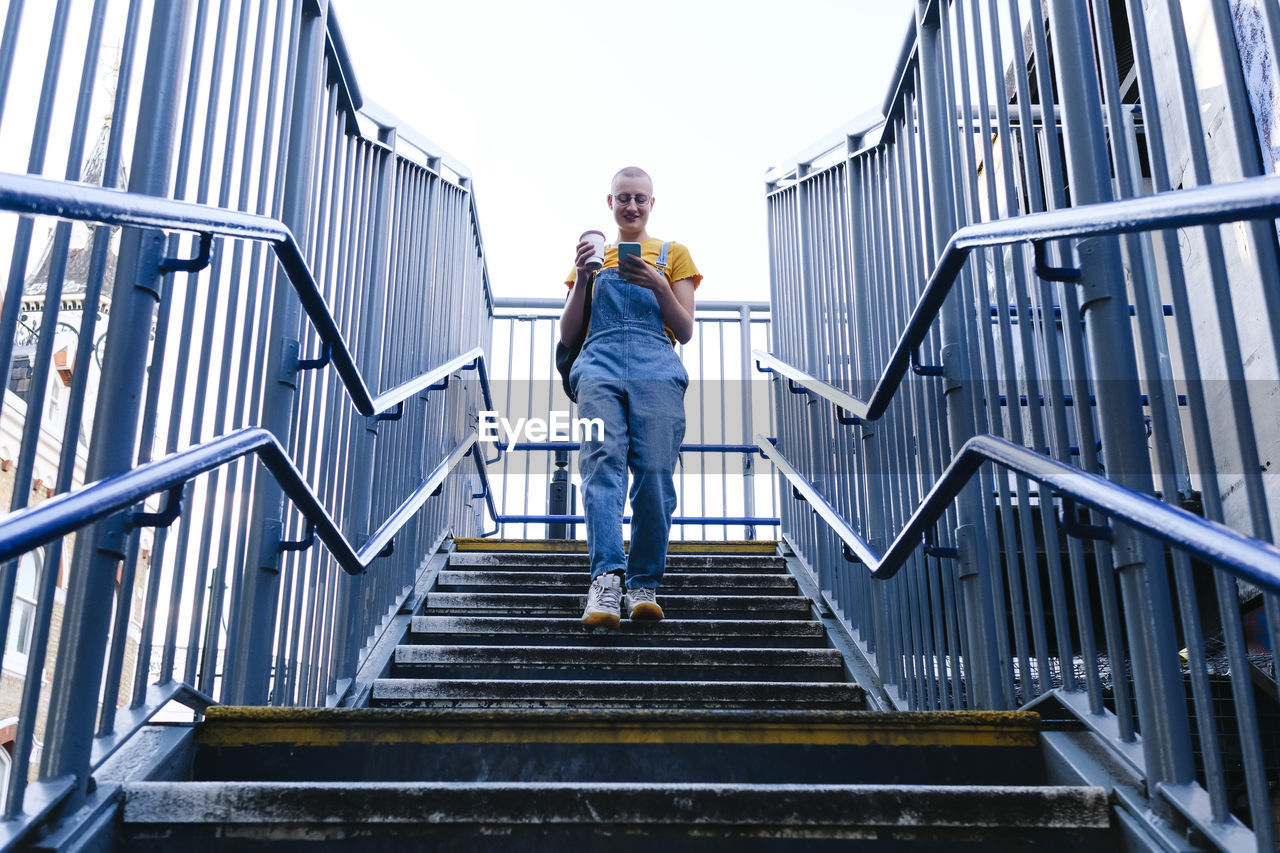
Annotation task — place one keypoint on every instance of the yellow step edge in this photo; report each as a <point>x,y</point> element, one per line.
<point>573,546</point>
<point>244,728</point>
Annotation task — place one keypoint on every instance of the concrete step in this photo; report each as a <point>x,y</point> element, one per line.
<point>538,630</point>
<point>567,604</point>
<point>741,583</point>
<point>627,816</point>
<point>558,693</point>
<point>527,561</point>
<point>621,664</point>
<point>773,746</point>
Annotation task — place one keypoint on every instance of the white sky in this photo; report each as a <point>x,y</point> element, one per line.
<point>544,101</point>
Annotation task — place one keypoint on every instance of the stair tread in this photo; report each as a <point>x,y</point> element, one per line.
<point>620,690</point>
<point>541,625</point>
<point>574,580</point>
<point>618,656</point>
<point>574,601</point>
<point>827,805</point>
<point>564,630</point>
<point>517,560</point>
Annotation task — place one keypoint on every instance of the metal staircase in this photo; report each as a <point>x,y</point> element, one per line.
<point>1017,399</point>
<point>502,724</point>
<point>723,644</point>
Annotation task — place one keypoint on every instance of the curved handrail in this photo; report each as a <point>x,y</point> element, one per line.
<point>35,196</point>
<point>1245,557</point>
<point>41,524</point>
<point>1214,204</point>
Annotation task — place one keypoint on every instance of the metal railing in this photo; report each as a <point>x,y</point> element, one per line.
<point>323,236</point>
<point>719,496</point>
<point>1001,270</point>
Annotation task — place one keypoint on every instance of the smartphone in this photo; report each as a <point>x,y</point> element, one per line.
<point>625,249</point>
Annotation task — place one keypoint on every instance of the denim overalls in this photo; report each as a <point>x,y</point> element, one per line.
<point>629,376</point>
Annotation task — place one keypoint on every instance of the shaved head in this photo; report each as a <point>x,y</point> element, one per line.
<point>631,172</point>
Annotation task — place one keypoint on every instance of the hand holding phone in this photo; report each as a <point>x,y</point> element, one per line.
<point>626,250</point>
<point>637,272</point>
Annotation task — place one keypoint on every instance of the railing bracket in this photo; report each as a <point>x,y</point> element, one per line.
<point>439,386</point>
<point>394,415</point>
<point>847,419</point>
<point>925,369</point>
<point>798,495</point>
<point>300,544</point>
<point>167,515</point>
<point>939,551</point>
<point>326,355</point>
<point>848,553</point>
<point>1048,272</point>
<point>1072,527</point>
<point>204,253</point>
<point>389,549</point>
<point>796,388</point>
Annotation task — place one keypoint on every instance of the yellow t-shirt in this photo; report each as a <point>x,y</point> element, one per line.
<point>679,265</point>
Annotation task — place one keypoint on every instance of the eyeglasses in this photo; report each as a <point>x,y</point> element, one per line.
<point>625,199</point>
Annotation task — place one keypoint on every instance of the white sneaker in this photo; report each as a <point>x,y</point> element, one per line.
<point>604,602</point>
<point>642,605</point>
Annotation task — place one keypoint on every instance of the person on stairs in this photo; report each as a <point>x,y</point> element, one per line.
<point>629,375</point>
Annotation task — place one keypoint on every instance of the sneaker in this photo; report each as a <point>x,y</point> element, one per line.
<point>604,602</point>
<point>642,605</point>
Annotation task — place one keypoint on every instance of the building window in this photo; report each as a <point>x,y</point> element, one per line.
<point>23,617</point>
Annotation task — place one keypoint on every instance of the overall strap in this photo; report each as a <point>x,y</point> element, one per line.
<point>662,258</point>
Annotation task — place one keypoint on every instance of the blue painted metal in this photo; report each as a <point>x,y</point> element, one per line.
<point>525,330</point>
<point>1245,557</point>
<point>207,378</point>
<point>1030,163</point>
<point>70,731</point>
<point>30,528</point>
<point>73,202</point>
<point>1213,204</point>
<point>724,520</point>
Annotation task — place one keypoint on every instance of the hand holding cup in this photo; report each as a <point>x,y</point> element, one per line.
<point>590,255</point>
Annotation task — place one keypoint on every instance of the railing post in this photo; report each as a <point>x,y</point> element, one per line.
<point>871,516</point>
<point>249,661</point>
<point>1161,698</point>
<point>135,294</point>
<point>974,566</point>
<point>560,497</point>
<point>808,307</point>
<point>365,443</point>
<point>748,419</point>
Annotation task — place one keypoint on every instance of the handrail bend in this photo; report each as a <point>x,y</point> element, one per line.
<point>1245,557</point>
<point>33,196</point>
<point>62,514</point>
<point>1214,204</point>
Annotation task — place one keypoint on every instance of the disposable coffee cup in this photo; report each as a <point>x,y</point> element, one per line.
<point>596,239</point>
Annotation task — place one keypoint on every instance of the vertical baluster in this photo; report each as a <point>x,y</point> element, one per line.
<point>77,677</point>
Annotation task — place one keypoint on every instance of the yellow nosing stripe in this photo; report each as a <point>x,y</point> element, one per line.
<point>572,546</point>
<point>235,730</point>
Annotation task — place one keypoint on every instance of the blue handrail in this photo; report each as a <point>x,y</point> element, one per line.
<point>695,520</point>
<point>1251,559</point>
<point>1213,204</point>
<point>39,525</point>
<point>34,196</point>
